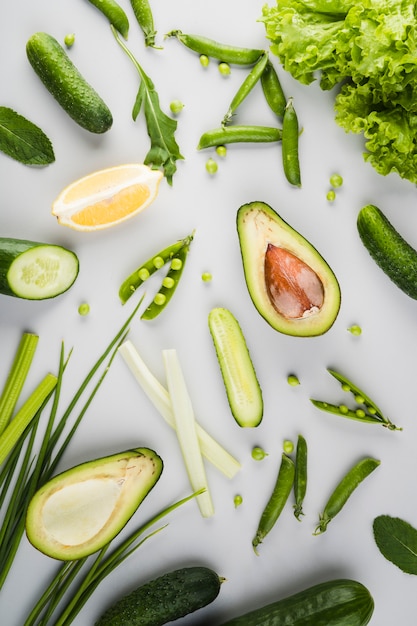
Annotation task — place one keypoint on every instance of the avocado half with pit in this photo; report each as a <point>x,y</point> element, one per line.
<point>290,283</point>
<point>80,510</point>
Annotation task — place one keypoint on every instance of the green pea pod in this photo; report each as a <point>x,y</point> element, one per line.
<point>344,490</point>
<point>277,500</point>
<point>273,92</point>
<point>144,16</point>
<point>290,135</point>
<point>300,478</point>
<point>223,52</point>
<point>246,87</point>
<point>114,13</point>
<point>169,283</point>
<point>238,134</point>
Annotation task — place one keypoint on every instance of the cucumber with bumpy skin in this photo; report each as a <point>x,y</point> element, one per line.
<point>390,251</point>
<point>35,271</point>
<point>339,602</point>
<point>66,84</point>
<point>165,599</point>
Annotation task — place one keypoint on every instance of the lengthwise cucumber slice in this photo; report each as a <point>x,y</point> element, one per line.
<point>35,271</point>
<point>242,387</point>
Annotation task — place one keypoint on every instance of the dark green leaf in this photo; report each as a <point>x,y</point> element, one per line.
<point>22,140</point>
<point>397,541</point>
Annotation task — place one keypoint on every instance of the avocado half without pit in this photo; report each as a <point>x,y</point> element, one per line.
<point>289,282</point>
<point>82,509</point>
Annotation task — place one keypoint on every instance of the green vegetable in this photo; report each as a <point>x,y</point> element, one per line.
<point>355,329</point>
<point>144,16</point>
<point>293,380</point>
<point>300,477</point>
<point>258,453</point>
<point>242,387</point>
<point>397,541</point>
<point>22,140</point>
<point>390,251</point>
<point>114,13</point>
<point>246,87</point>
<point>290,135</point>
<point>80,578</point>
<point>273,92</point>
<point>364,49</point>
<point>164,151</point>
<point>336,180</point>
<point>368,412</point>
<point>84,309</point>
<point>344,490</point>
<point>185,427</point>
<point>160,398</point>
<point>69,39</point>
<point>204,60</point>
<point>343,602</point>
<point>279,496</point>
<point>35,271</point>
<point>210,48</point>
<point>224,68</point>
<point>66,84</point>
<point>176,106</point>
<point>211,166</point>
<point>238,134</point>
<point>165,599</point>
<point>237,500</point>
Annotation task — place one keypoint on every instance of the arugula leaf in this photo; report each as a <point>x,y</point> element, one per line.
<point>22,140</point>
<point>164,150</point>
<point>397,541</point>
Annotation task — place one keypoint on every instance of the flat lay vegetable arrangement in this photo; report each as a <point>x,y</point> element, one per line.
<point>207,260</point>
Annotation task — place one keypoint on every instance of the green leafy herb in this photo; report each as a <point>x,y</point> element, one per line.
<point>367,49</point>
<point>397,541</point>
<point>22,140</point>
<point>164,151</point>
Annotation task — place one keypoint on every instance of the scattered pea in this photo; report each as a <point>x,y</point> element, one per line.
<point>221,151</point>
<point>288,446</point>
<point>69,40</point>
<point>206,277</point>
<point>176,106</point>
<point>331,195</point>
<point>84,308</point>
<point>293,380</point>
<point>211,166</point>
<point>237,500</point>
<point>168,282</point>
<point>355,329</point>
<point>336,180</point>
<point>159,299</point>
<point>258,453</point>
<point>204,60</point>
<point>224,68</point>
<point>158,262</point>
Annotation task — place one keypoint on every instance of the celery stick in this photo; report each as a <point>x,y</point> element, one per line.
<point>186,430</point>
<point>159,396</point>
<point>23,417</point>
<point>16,378</point>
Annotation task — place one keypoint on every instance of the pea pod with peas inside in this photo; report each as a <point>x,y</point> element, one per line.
<point>235,55</point>
<point>174,254</point>
<point>344,490</point>
<point>365,411</point>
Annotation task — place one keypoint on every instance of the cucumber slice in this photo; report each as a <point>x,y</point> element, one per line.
<point>35,271</point>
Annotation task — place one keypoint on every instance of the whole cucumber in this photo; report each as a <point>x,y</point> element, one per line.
<point>164,599</point>
<point>66,84</point>
<point>390,251</point>
<point>340,602</point>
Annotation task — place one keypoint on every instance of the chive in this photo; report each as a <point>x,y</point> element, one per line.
<point>186,430</point>
<point>16,378</point>
<point>23,417</point>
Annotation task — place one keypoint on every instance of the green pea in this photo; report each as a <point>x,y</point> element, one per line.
<point>221,151</point>
<point>84,308</point>
<point>159,299</point>
<point>206,277</point>
<point>346,387</point>
<point>331,196</point>
<point>211,166</point>
<point>336,180</point>
<point>360,412</point>
<point>143,273</point>
<point>355,329</point>
<point>237,500</point>
<point>69,40</point>
<point>359,398</point>
<point>288,446</point>
<point>176,264</point>
<point>258,453</point>
<point>204,60</point>
<point>343,409</point>
<point>224,68</point>
<point>168,282</point>
<point>158,262</point>
<point>176,107</point>
<point>293,380</point>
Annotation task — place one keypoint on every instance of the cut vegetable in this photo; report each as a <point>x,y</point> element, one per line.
<point>35,271</point>
<point>242,387</point>
<point>80,510</point>
<point>160,398</point>
<point>186,430</point>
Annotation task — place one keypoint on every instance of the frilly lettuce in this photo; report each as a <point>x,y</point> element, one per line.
<point>369,50</point>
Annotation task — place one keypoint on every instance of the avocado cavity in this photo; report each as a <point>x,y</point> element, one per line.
<point>80,510</point>
<point>290,283</point>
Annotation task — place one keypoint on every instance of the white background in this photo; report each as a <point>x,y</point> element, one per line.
<point>381,360</point>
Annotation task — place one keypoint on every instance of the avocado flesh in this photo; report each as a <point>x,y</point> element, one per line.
<point>291,285</point>
<point>80,510</point>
